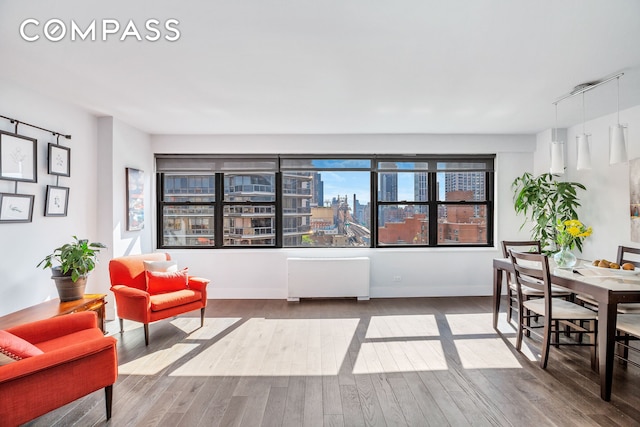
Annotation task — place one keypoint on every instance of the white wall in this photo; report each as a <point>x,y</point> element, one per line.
<point>23,245</point>
<point>122,146</point>
<point>424,272</point>
<point>605,204</point>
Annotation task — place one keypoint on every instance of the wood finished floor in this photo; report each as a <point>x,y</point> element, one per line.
<point>384,362</point>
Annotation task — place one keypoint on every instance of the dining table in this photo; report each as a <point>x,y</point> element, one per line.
<point>608,287</point>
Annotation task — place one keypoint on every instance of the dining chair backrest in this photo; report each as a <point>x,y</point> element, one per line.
<point>529,246</point>
<point>623,255</point>
<point>532,270</point>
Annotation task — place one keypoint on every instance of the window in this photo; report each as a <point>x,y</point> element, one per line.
<point>403,210</point>
<point>298,201</point>
<point>325,201</point>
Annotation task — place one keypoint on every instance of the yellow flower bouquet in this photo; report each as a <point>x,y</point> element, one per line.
<point>571,231</point>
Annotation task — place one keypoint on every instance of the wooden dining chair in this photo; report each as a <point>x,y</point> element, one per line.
<point>532,270</point>
<point>528,246</point>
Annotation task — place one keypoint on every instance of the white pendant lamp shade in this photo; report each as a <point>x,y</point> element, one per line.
<point>584,153</point>
<point>557,158</point>
<point>617,145</point>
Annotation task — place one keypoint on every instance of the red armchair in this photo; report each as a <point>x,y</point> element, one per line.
<point>135,302</point>
<point>76,359</point>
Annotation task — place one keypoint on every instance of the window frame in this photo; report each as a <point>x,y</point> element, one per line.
<point>433,204</point>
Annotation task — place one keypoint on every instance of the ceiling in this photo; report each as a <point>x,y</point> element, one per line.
<point>332,66</point>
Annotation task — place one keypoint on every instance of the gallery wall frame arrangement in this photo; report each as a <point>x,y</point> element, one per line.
<point>135,199</point>
<point>18,157</point>
<point>19,163</point>
<point>16,207</point>
<point>56,201</point>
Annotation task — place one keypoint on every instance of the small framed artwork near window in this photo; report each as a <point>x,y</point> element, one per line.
<point>57,201</point>
<point>59,160</point>
<point>16,207</point>
<point>135,199</point>
<point>18,160</point>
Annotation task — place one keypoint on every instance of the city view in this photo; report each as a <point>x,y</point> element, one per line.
<point>324,209</point>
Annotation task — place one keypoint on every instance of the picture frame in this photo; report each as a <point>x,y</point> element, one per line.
<point>18,157</point>
<point>16,207</point>
<point>59,160</point>
<point>56,201</point>
<point>135,199</point>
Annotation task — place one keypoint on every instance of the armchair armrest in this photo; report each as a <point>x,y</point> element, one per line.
<point>35,364</point>
<point>55,327</point>
<point>198,283</point>
<point>132,303</point>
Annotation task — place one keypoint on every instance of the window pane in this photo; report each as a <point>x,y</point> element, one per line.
<point>249,225</point>
<point>464,224</point>
<point>461,186</point>
<point>325,163</point>
<point>403,225</point>
<point>189,188</point>
<point>188,226</point>
<point>326,208</point>
<point>402,186</point>
<point>249,188</point>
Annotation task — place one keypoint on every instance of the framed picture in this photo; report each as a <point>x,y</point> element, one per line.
<point>16,207</point>
<point>59,160</point>
<point>135,199</point>
<point>18,160</point>
<point>57,201</point>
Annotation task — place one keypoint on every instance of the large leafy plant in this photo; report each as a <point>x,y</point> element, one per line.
<point>544,201</point>
<point>76,258</point>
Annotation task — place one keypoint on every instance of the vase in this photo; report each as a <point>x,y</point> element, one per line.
<point>564,258</point>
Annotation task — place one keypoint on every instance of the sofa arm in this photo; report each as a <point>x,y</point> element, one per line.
<point>198,283</point>
<point>35,364</point>
<point>43,330</point>
<point>132,303</point>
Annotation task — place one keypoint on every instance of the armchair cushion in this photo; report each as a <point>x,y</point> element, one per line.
<point>169,300</point>
<point>169,281</point>
<point>13,348</point>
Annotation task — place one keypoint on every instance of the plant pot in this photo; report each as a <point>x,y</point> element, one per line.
<point>68,290</point>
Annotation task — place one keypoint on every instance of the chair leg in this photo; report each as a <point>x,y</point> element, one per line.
<point>146,334</point>
<point>510,306</point>
<point>625,350</point>
<point>108,398</point>
<point>121,325</point>
<point>520,328</point>
<point>202,317</point>
<point>556,333</point>
<point>546,342</point>
<point>593,326</point>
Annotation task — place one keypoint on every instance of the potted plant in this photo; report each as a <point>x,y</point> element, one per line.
<point>76,260</point>
<point>545,201</point>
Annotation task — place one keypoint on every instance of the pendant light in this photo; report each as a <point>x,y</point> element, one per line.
<point>582,144</point>
<point>617,144</point>
<point>557,151</point>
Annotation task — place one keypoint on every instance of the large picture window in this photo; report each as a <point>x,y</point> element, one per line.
<point>320,201</point>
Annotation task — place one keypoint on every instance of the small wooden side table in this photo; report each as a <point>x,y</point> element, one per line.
<point>53,308</point>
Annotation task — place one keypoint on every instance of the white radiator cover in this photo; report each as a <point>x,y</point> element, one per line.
<point>328,277</point>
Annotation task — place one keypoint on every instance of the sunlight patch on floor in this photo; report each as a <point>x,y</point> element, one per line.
<point>471,324</point>
<point>275,347</point>
<point>155,362</point>
<point>211,328</point>
<point>485,353</point>
<point>530,349</point>
<point>418,325</point>
<point>400,356</point>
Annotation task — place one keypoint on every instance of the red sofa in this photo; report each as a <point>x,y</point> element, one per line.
<point>135,302</point>
<point>77,359</point>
